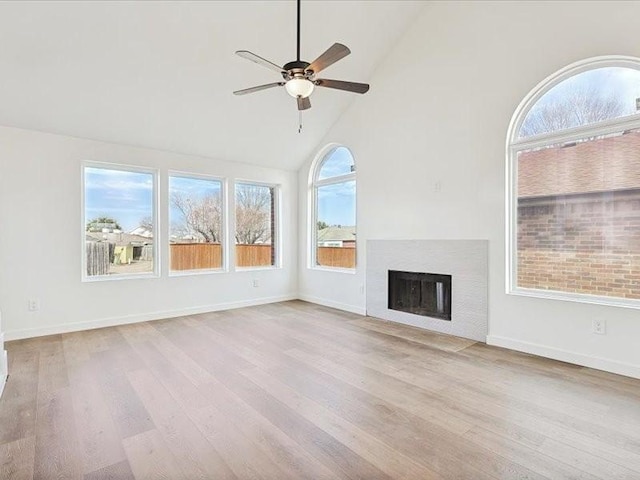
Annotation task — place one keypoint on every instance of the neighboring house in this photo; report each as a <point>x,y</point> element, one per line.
<point>128,247</point>
<point>337,236</point>
<point>142,232</point>
<point>566,195</point>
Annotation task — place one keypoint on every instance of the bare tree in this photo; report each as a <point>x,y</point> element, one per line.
<point>253,214</point>
<point>579,106</point>
<point>146,223</point>
<point>202,216</point>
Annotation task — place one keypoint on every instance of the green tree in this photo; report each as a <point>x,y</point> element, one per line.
<point>322,225</point>
<point>97,224</point>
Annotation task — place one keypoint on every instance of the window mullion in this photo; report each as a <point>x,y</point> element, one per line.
<point>578,133</point>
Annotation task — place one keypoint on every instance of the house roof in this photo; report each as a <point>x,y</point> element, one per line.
<point>118,238</point>
<point>606,164</point>
<point>337,233</point>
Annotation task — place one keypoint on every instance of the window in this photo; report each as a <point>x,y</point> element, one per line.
<point>119,226</point>
<point>333,228</point>
<point>574,170</point>
<point>195,219</point>
<point>255,234</point>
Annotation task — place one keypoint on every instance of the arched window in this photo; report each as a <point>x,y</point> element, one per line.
<point>574,185</point>
<point>333,219</point>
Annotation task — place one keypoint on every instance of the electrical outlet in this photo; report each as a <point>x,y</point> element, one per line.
<point>256,282</point>
<point>600,327</point>
<point>361,289</point>
<point>33,304</point>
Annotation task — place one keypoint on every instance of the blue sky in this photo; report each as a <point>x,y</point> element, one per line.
<point>127,196</point>
<point>195,188</point>
<point>617,82</point>
<point>337,202</point>
<point>124,196</point>
<point>339,162</point>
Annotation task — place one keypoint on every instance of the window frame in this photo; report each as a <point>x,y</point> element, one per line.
<point>277,226</point>
<point>514,145</point>
<point>155,173</point>
<point>314,183</point>
<point>224,224</point>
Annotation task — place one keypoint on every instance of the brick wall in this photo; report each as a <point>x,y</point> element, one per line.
<point>587,243</point>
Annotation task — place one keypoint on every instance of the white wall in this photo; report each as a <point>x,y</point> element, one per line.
<point>40,240</point>
<point>438,111</point>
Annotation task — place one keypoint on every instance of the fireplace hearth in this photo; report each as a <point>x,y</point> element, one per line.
<point>426,294</point>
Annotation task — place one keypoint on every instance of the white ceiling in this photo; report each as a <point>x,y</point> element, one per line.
<point>160,74</point>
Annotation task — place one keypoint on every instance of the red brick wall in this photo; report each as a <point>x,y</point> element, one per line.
<point>587,243</point>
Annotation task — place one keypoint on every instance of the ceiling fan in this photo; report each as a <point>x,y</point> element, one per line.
<point>299,77</point>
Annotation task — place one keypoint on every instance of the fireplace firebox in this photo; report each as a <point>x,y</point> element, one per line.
<point>426,294</point>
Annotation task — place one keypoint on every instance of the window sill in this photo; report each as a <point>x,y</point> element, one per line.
<point>576,297</point>
<point>202,271</point>
<point>351,271</point>
<point>119,277</point>
<point>254,269</point>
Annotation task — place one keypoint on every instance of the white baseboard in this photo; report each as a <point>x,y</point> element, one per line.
<point>4,365</point>
<point>598,363</point>
<point>136,318</point>
<point>330,303</point>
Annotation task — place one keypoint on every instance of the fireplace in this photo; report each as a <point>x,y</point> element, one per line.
<point>426,294</point>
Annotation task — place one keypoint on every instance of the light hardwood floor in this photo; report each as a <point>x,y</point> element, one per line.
<point>298,391</point>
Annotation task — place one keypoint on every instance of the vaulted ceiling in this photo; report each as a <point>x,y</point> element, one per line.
<point>161,74</point>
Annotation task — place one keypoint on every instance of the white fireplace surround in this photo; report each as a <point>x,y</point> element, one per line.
<point>465,260</point>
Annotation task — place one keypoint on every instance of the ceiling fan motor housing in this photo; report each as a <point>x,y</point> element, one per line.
<point>296,69</point>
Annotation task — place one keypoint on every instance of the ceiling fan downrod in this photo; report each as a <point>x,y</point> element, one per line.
<point>298,42</point>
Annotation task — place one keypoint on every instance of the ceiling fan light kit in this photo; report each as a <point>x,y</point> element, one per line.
<point>300,76</point>
<point>299,87</point>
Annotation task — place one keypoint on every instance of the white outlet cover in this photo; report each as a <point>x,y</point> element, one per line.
<point>600,327</point>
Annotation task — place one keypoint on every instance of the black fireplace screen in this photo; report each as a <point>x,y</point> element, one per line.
<point>426,294</point>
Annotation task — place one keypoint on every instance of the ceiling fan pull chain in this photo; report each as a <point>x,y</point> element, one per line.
<point>299,121</point>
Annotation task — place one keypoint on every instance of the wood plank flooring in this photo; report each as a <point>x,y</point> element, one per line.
<point>299,391</point>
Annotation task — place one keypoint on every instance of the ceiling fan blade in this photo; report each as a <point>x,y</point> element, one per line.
<point>304,103</point>
<point>334,53</point>
<point>340,85</point>
<point>259,60</point>
<point>258,88</point>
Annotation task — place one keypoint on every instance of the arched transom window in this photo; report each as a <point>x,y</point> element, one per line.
<point>333,229</point>
<point>574,185</point>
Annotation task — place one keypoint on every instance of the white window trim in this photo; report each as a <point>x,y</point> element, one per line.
<point>224,240</point>
<point>312,201</point>
<point>277,225</point>
<point>155,214</point>
<point>514,145</point>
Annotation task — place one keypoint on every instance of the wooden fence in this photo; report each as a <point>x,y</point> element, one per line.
<point>336,257</point>
<point>253,255</point>
<point>98,258</point>
<point>194,256</point>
